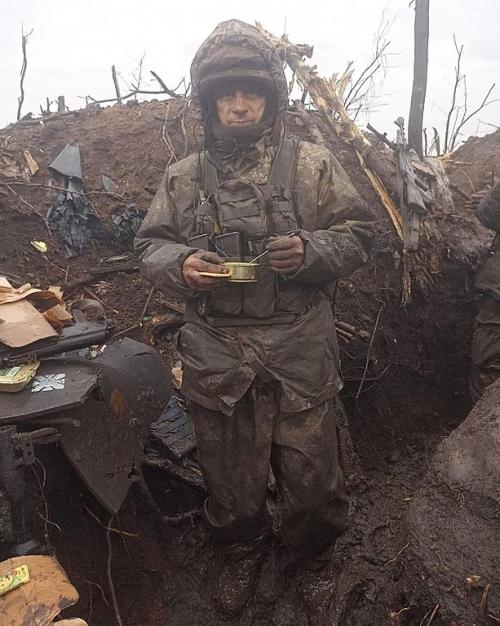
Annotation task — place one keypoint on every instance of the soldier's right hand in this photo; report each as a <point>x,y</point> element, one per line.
<point>202,261</point>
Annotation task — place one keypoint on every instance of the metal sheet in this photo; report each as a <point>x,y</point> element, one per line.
<point>68,162</point>
<point>24,405</point>
<point>103,413</point>
<point>114,422</point>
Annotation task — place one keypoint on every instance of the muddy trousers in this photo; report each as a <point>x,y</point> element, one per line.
<point>485,368</point>
<point>235,454</point>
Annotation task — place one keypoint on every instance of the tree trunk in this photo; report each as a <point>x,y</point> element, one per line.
<point>420,62</point>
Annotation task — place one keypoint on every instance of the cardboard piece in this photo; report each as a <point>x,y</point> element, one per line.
<point>41,599</point>
<point>21,324</point>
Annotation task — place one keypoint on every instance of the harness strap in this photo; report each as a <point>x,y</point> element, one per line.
<point>282,175</point>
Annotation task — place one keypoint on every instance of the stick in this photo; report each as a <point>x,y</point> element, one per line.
<point>398,554</point>
<point>369,351</point>
<point>117,86</point>
<point>55,188</point>
<point>127,330</point>
<point>90,293</point>
<point>28,204</point>
<point>171,93</point>
<point>134,92</point>
<point>110,577</point>
<point>483,606</point>
<point>108,527</point>
<point>20,100</point>
<point>151,292</point>
<point>433,615</point>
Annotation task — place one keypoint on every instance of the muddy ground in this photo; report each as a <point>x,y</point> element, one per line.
<point>414,394</point>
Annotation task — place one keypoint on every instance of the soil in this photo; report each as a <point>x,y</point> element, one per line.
<point>413,395</point>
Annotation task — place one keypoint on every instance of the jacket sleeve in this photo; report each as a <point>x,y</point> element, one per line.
<point>161,247</point>
<point>345,234</point>
<point>488,210</point>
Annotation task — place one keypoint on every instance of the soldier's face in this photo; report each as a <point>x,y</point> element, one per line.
<point>240,106</point>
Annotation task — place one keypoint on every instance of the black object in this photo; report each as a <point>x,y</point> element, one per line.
<point>16,451</point>
<point>173,433</point>
<point>80,335</point>
<point>127,223</point>
<point>100,418</point>
<point>72,216</point>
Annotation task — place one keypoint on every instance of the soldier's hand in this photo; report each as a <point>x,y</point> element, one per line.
<point>202,261</point>
<point>286,254</point>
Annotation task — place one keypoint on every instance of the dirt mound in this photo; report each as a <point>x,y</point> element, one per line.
<point>461,492</point>
<point>471,166</point>
<point>403,394</point>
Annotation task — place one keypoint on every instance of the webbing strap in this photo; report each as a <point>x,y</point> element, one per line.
<point>282,175</point>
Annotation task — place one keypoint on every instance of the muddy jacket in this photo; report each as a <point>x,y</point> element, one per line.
<point>488,278</point>
<point>280,330</point>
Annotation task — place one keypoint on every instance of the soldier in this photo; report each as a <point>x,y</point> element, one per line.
<point>260,360</point>
<point>486,340</point>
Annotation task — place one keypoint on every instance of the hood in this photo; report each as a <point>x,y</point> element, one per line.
<point>237,50</point>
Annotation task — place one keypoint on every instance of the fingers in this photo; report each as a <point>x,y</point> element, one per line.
<point>282,243</point>
<point>204,266</point>
<point>286,254</point>
<point>212,257</point>
<point>281,255</point>
<point>201,283</point>
<point>196,263</point>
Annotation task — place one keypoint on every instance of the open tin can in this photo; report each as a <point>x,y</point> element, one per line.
<point>240,272</point>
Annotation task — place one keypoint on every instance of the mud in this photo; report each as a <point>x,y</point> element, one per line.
<point>414,393</point>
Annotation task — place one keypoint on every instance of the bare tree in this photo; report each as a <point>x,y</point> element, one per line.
<point>24,41</point>
<point>459,114</point>
<point>358,92</point>
<point>117,85</point>
<point>420,64</point>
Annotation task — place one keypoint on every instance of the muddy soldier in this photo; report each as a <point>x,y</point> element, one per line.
<point>260,360</point>
<point>486,342</point>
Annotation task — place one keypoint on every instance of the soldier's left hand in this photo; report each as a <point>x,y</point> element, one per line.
<point>286,254</point>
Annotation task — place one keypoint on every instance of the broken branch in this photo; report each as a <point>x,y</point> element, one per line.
<point>24,41</point>
<point>368,354</point>
<point>170,92</point>
<point>55,188</point>
<point>117,86</point>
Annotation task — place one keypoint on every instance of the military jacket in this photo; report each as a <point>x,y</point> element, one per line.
<point>297,352</point>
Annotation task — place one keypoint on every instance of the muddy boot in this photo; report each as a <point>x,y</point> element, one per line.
<point>239,566</point>
<point>317,587</point>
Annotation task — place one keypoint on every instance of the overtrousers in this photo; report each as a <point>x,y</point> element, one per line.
<point>236,452</point>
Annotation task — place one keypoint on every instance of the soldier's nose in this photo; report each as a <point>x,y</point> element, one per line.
<point>239,105</point>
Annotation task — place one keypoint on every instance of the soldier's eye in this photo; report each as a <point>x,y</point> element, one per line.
<point>226,96</point>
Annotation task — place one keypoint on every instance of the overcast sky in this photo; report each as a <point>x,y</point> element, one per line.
<point>74,44</point>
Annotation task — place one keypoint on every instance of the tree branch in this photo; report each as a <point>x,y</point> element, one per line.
<point>20,100</point>
<point>171,93</point>
<point>458,79</point>
<point>465,119</point>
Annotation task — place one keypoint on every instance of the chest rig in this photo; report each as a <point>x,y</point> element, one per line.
<point>235,218</point>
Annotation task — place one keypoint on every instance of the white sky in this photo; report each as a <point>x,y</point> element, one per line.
<point>74,44</point>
